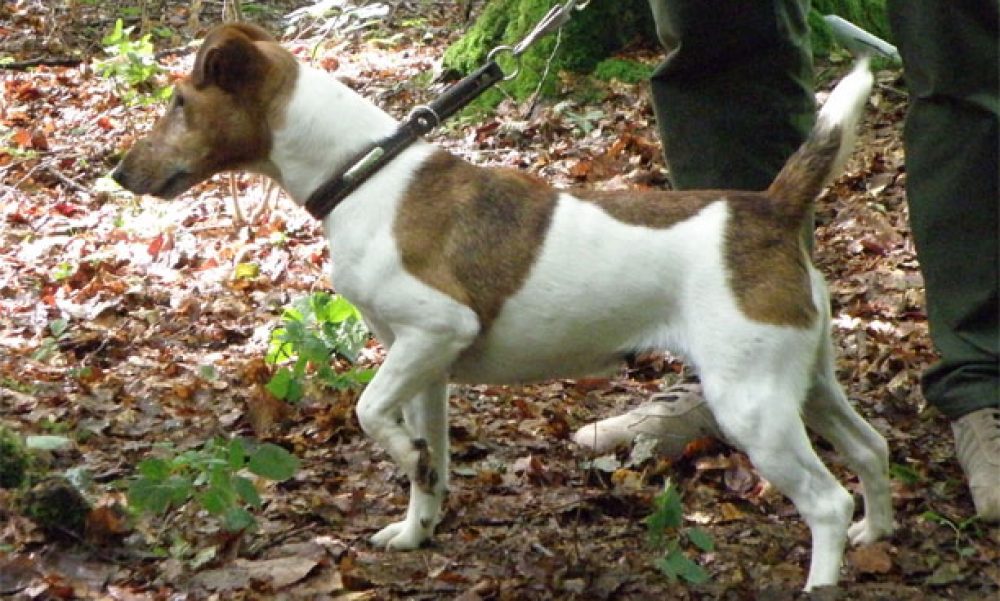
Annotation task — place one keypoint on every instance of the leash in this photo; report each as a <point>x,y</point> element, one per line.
<point>425,117</point>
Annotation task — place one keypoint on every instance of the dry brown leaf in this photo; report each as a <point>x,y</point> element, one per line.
<point>871,559</point>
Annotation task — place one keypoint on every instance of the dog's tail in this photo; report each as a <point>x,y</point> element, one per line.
<point>822,156</point>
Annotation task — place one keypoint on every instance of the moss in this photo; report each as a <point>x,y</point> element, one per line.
<point>623,70</point>
<point>820,35</point>
<point>869,15</point>
<point>866,14</point>
<point>14,459</point>
<point>603,28</point>
<point>57,507</point>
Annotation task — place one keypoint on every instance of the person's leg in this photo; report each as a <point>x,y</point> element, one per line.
<point>734,96</point>
<point>950,56</point>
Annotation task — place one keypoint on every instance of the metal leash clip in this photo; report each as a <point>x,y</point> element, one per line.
<point>517,60</point>
<point>553,20</point>
<point>557,16</point>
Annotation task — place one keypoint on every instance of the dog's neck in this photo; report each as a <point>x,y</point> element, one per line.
<point>325,125</point>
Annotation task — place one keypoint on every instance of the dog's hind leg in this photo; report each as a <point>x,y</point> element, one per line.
<point>865,451</point>
<point>426,419</point>
<point>760,413</point>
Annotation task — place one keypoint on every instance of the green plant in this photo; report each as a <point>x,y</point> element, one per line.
<point>252,9</point>
<point>50,344</point>
<point>962,529</point>
<point>132,67</point>
<point>666,536</point>
<point>17,386</point>
<point>63,271</point>
<point>314,330</point>
<point>905,474</point>
<point>213,477</point>
<point>581,123</point>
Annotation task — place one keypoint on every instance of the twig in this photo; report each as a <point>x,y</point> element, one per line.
<point>179,51</point>
<point>893,90</point>
<point>37,62</point>
<point>68,61</point>
<point>66,180</point>
<point>238,219</point>
<point>269,199</point>
<point>545,73</point>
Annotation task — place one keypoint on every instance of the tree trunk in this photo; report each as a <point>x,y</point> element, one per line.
<point>603,28</point>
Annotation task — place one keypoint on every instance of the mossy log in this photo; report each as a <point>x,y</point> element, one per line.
<point>603,28</point>
<point>593,34</point>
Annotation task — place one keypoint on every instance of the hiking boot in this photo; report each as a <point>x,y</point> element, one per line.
<point>977,442</point>
<point>674,418</point>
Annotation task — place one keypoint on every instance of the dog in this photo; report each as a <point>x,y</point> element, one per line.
<point>477,275</point>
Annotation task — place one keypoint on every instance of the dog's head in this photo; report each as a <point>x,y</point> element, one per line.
<point>220,118</point>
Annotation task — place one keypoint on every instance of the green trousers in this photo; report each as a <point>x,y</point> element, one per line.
<point>950,57</point>
<point>734,98</point>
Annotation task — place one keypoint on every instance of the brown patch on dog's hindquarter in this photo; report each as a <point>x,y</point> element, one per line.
<point>473,233</point>
<point>766,261</point>
<point>763,255</point>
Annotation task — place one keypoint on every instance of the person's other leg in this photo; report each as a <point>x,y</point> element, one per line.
<point>950,56</point>
<point>734,96</point>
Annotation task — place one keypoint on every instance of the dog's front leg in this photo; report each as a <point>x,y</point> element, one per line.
<point>412,380</point>
<point>426,419</point>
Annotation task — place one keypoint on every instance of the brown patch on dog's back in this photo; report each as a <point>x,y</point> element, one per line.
<point>766,261</point>
<point>473,233</point>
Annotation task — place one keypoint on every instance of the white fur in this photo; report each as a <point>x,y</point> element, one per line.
<point>598,289</point>
<point>844,104</point>
<point>596,279</point>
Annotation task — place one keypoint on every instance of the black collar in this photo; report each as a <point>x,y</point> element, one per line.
<point>325,199</point>
<point>421,120</point>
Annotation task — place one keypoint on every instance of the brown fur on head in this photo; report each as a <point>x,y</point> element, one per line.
<point>220,117</point>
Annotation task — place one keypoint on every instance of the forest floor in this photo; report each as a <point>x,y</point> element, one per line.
<point>131,327</point>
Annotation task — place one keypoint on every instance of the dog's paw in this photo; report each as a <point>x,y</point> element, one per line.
<point>866,532</point>
<point>401,536</point>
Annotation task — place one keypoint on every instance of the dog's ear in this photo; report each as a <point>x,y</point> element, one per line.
<point>229,59</point>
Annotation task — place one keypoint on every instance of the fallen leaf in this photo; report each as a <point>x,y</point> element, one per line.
<point>627,479</point>
<point>21,138</point>
<point>730,513</point>
<point>946,573</point>
<point>871,559</point>
<point>279,573</point>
